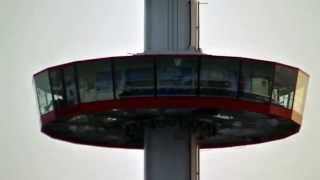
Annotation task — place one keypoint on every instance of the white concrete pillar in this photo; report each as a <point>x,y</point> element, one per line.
<point>171,26</point>
<point>171,153</point>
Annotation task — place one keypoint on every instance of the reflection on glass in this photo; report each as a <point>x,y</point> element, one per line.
<point>134,78</point>
<point>95,81</point>
<point>301,92</point>
<point>219,77</point>
<point>256,81</point>
<point>284,86</point>
<point>177,76</point>
<point>44,92</point>
<point>56,77</point>
<point>70,86</point>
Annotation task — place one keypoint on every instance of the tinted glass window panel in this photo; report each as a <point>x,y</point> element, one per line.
<point>284,86</point>
<point>134,78</point>
<point>256,81</point>
<point>70,86</point>
<point>301,92</point>
<point>177,76</point>
<point>57,88</point>
<point>219,77</point>
<point>44,92</point>
<point>95,81</point>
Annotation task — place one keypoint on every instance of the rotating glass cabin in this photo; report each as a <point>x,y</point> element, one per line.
<point>226,101</point>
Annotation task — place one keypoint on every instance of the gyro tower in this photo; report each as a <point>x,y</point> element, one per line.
<point>172,99</point>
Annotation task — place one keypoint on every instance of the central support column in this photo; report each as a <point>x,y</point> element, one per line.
<point>171,153</point>
<point>171,26</point>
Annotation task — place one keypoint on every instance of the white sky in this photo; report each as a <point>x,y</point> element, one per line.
<point>35,34</point>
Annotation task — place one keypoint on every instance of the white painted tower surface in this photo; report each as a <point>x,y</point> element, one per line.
<point>171,26</point>
<point>171,153</point>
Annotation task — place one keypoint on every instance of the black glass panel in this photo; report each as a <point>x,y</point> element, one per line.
<point>284,86</point>
<point>57,87</point>
<point>95,81</point>
<point>219,77</point>
<point>177,76</point>
<point>44,92</point>
<point>134,78</point>
<point>256,81</point>
<point>70,85</point>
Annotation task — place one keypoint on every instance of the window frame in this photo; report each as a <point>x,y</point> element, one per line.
<point>116,69</point>
<point>56,107</point>
<point>46,72</point>
<point>296,71</point>
<point>195,58</point>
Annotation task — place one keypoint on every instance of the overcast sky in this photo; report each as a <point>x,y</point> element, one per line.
<point>35,34</point>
